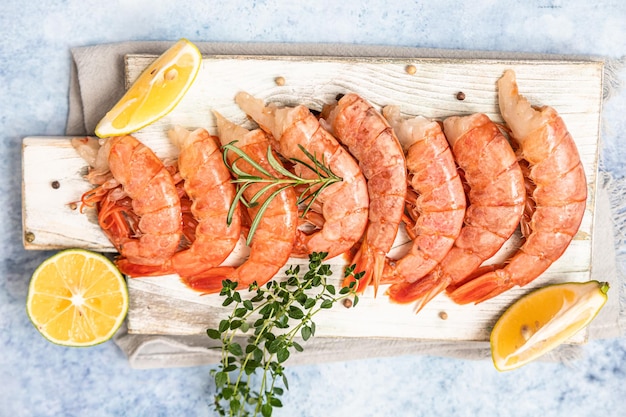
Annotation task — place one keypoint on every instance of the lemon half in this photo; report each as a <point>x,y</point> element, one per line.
<point>77,298</point>
<point>543,319</point>
<point>159,88</point>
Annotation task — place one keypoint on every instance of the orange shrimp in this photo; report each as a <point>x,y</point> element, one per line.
<point>274,237</point>
<point>495,204</point>
<point>343,205</point>
<point>147,227</point>
<point>559,195</point>
<point>207,184</point>
<point>368,136</point>
<point>437,206</point>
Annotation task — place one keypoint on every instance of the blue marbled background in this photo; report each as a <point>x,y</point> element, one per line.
<point>41,379</point>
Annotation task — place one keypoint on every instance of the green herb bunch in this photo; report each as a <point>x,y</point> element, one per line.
<point>277,315</point>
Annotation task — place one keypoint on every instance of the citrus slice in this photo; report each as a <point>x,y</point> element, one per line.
<point>159,88</point>
<point>77,298</point>
<point>542,320</point>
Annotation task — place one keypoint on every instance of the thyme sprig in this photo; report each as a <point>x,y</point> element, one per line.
<point>280,181</point>
<point>276,319</point>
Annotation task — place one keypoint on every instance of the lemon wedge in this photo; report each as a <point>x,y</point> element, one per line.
<point>542,320</point>
<point>159,88</point>
<point>77,298</point>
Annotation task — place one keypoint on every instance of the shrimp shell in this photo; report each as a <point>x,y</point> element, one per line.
<point>155,201</point>
<point>372,141</point>
<point>439,203</point>
<point>559,195</point>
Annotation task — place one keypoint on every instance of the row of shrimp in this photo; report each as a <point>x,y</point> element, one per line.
<point>535,181</point>
<point>459,187</point>
<point>141,208</point>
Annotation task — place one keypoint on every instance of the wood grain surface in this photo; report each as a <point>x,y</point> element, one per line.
<point>53,175</point>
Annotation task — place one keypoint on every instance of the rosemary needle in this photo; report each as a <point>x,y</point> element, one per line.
<point>280,181</point>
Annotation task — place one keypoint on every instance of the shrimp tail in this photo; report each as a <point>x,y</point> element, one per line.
<point>482,270</point>
<point>482,288</point>
<point>136,270</point>
<point>371,263</point>
<point>421,291</point>
<point>210,281</point>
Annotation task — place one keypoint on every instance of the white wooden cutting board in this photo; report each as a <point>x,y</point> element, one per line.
<point>53,183</point>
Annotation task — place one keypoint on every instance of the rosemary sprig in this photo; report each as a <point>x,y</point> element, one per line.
<point>273,318</point>
<point>284,179</point>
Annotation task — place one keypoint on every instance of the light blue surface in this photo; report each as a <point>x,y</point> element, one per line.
<point>41,379</point>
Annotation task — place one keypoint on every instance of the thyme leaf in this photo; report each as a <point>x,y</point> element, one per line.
<point>260,335</point>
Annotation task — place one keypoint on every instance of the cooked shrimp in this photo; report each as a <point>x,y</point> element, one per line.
<point>495,204</point>
<point>436,201</point>
<point>146,226</point>
<point>274,237</point>
<point>343,205</point>
<point>368,136</point>
<point>207,184</point>
<point>559,195</point>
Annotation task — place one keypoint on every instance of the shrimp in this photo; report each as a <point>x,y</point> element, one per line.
<point>275,234</point>
<point>496,201</point>
<point>437,202</point>
<point>207,184</point>
<point>368,136</point>
<point>343,205</point>
<point>559,195</point>
<point>141,212</point>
